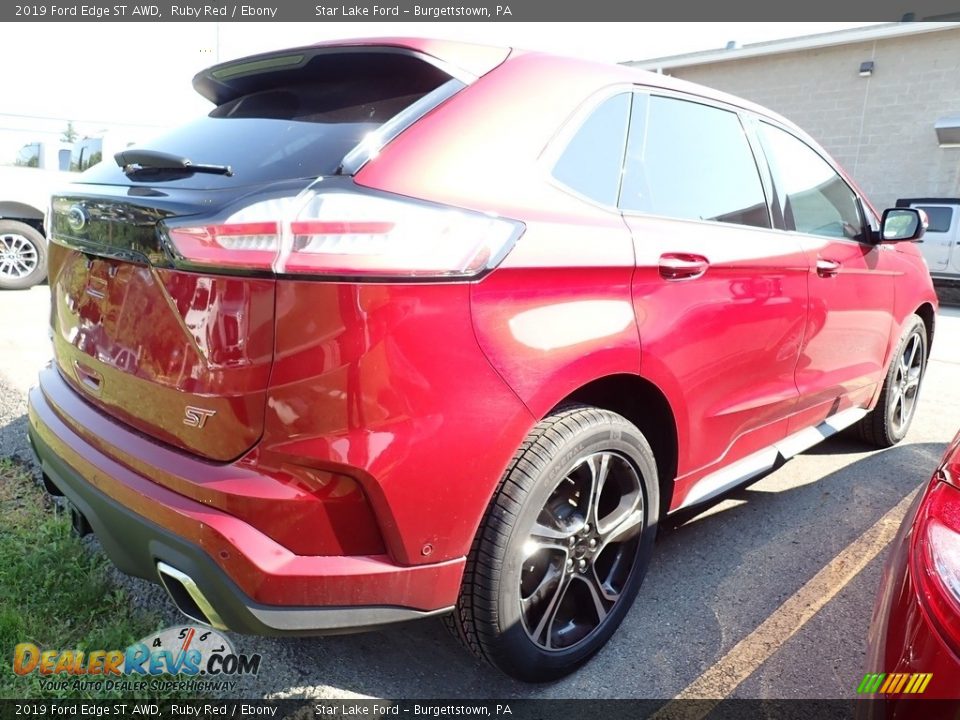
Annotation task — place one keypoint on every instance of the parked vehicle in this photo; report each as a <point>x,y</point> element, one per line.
<point>25,190</point>
<point>941,243</point>
<point>40,167</point>
<point>406,328</point>
<point>915,633</point>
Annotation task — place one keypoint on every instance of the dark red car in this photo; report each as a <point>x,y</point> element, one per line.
<point>914,646</point>
<point>407,328</point>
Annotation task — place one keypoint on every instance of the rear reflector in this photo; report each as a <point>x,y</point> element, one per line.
<point>350,234</point>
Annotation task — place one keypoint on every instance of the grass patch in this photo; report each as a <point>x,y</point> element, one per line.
<point>54,592</point>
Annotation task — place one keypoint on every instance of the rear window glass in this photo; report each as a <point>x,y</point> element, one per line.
<point>592,162</point>
<point>301,125</point>
<point>939,217</point>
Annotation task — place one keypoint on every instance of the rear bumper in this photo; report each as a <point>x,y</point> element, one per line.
<point>140,524</point>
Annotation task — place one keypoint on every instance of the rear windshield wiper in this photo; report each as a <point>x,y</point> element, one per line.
<point>134,160</point>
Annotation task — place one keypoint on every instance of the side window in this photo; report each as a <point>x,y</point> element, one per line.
<point>29,156</point>
<point>86,153</point>
<point>939,217</point>
<point>592,161</point>
<point>814,198</point>
<point>692,161</point>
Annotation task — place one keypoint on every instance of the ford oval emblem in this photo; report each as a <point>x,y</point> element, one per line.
<point>76,218</point>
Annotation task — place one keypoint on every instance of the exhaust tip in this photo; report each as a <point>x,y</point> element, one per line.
<point>50,487</point>
<point>188,598</point>
<point>78,523</point>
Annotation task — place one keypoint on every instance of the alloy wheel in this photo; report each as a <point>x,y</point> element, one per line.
<point>581,551</point>
<point>18,256</point>
<point>906,383</point>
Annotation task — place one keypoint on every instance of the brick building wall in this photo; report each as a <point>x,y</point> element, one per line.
<point>880,128</point>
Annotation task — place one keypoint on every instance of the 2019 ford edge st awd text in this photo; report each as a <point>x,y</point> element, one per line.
<point>407,328</point>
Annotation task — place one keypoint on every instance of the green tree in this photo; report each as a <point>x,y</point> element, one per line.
<point>70,134</point>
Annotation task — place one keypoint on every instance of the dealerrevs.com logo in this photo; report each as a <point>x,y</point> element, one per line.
<point>200,658</point>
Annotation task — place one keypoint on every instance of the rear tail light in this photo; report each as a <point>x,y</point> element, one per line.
<point>944,547</point>
<point>936,553</point>
<point>235,244</point>
<point>349,234</point>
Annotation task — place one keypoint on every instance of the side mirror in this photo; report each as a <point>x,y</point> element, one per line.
<point>903,224</point>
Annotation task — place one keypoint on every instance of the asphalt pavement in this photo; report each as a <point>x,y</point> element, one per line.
<point>714,580</point>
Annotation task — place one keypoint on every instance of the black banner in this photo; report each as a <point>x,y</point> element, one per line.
<point>327,709</point>
<point>475,10</point>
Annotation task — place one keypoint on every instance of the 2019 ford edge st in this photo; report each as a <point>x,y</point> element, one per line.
<point>406,328</point>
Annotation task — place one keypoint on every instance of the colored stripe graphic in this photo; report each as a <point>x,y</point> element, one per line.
<point>922,684</point>
<point>894,683</point>
<point>871,681</point>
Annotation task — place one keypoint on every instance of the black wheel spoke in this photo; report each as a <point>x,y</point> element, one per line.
<point>601,603</point>
<point>599,469</point>
<point>540,608</point>
<point>627,529</point>
<point>546,534</point>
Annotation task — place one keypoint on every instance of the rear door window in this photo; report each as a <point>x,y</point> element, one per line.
<point>814,198</point>
<point>692,161</point>
<point>592,161</point>
<point>300,124</point>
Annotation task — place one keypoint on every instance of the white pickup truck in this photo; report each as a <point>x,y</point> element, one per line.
<point>24,196</point>
<point>25,189</point>
<point>941,242</point>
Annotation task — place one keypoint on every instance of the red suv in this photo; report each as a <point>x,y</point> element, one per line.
<point>407,328</point>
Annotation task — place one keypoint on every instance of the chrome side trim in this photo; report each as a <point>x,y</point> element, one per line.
<point>764,460</point>
<point>808,437</point>
<point>729,477</point>
<point>212,617</point>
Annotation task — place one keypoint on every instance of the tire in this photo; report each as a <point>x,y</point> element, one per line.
<point>584,574</point>
<point>888,423</point>
<point>23,256</point>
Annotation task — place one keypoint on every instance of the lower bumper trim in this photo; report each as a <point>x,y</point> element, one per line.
<point>140,547</point>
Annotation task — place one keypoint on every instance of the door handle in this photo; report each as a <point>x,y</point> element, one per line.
<point>682,266</point>
<point>827,268</point>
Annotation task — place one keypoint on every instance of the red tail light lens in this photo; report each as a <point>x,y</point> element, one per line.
<point>349,234</point>
<point>936,554</point>
<point>253,245</point>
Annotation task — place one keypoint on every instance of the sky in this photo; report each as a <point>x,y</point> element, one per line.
<point>133,79</point>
